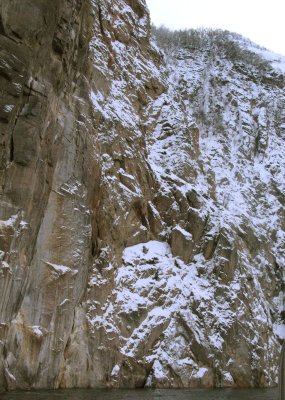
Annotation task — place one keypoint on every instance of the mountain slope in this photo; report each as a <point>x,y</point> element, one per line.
<point>142,202</point>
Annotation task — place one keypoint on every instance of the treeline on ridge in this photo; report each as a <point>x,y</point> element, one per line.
<point>216,41</point>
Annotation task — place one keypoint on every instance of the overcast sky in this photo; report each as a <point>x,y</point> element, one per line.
<point>262,21</point>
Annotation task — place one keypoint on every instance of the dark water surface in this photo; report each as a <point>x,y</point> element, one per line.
<point>145,394</point>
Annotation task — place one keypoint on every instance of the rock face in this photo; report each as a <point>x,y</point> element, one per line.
<point>142,204</point>
<point>281,377</point>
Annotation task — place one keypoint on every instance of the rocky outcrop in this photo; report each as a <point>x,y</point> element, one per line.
<point>142,221</point>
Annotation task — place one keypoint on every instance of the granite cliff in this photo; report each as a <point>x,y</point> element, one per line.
<point>141,202</point>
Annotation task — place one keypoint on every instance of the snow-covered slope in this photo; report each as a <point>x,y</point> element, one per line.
<point>237,114</point>
<point>202,306</point>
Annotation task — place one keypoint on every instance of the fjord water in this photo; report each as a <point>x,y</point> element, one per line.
<point>141,394</point>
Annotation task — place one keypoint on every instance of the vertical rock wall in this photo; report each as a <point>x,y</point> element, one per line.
<point>75,79</point>
<point>48,178</point>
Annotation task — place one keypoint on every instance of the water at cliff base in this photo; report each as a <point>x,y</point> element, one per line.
<point>142,394</point>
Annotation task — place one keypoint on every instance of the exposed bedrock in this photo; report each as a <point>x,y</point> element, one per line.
<point>141,204</point>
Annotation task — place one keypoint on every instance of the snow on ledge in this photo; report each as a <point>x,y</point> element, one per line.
<point>147,251</point>
<point>279,330</point>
